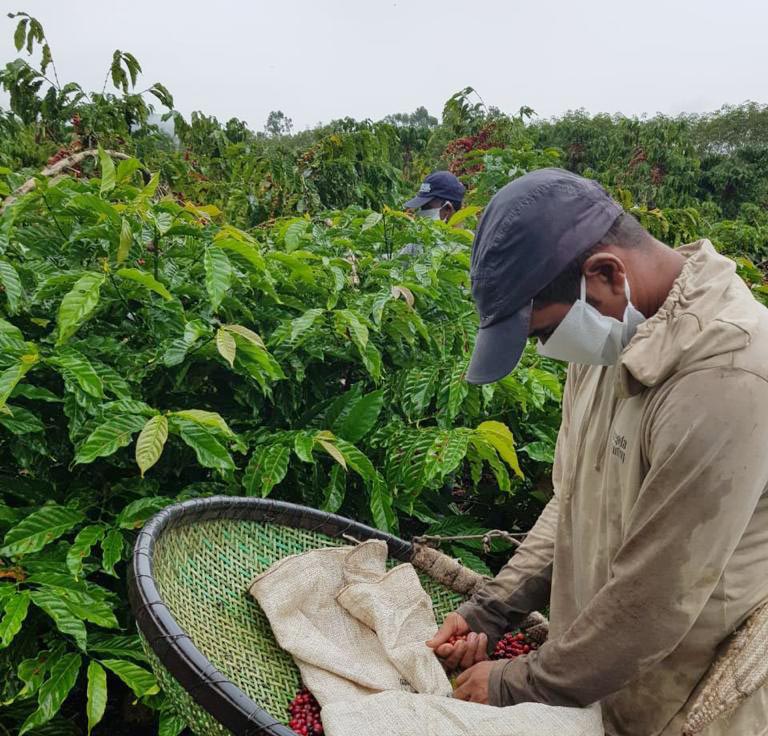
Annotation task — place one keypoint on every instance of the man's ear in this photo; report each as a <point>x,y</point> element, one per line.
<point>607,270</point>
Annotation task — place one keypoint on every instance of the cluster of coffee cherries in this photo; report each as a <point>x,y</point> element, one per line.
<point>513,645</point>
<point>305,714</point>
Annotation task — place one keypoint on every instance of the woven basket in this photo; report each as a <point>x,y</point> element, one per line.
<point>207,640</point>
<point>210,644</point>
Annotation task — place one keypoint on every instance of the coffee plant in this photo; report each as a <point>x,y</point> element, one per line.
<point>222,311</point>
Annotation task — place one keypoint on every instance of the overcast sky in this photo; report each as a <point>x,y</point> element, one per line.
<point>323,59</point>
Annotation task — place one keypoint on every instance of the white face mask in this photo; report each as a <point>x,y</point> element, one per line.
<point>589,337</point>
<point>432,214</point>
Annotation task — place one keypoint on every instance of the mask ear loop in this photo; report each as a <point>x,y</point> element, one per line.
<point>627,292</point>
<point>583,288</point>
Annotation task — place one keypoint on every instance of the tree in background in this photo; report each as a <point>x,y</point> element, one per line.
<point>278,123</point>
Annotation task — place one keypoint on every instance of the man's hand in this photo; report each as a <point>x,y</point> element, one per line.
<point>455,650</point>
<point>472,684</point>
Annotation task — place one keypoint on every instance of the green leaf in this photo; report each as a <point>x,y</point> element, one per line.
<point>500,436</point>
<point>470,560</point>
<point>36,393</point>
<point>32,673</point>
<point>381,505</point>
<point>331,449</point>
<point>107,172</point>
<point>149,190</point>
<point>245,251</point>
<point>357,460</point>
<point>20,34</point>
<point>39,529</point>
<point>210,452</point>
<point>14,613</point>
<point>210,419</point>
<point>11,376</point>
<point>267,468</point>
<point>303,444</point>
<point>119,646</point>
<point>542,452</point>
<point>137,678</point>
<point>419,389</point>
<point>373,219</point>
<point>464,213</point>
<point>21,421</point>
<point>109,437</point>
<point>81,547</point>
<point>126,168</point>
<point>226,346</point>
<point>66,622</point>
<point>446,452</point>
<point>293,234</point>
<point>300,325</point>
<point>78,304</point>
<point>361,417</point>
<point>245,333</point>
<point>112,548</point>
<point>76,367</point>
<point>137,512</point>
<point>54,691</point>
<point>162,94</point>
<point>150,443</point>
<point>170,724</point>
<point>145,279</point>
<point>11,285</point>
<point>371,358</point>
<point>351,323</point>
<point>86,601</point>
<point>96,702</point>
<point>218,275</point>
<point>335,491</point>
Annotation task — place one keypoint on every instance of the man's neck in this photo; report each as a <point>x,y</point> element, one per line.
<point>655,268</point>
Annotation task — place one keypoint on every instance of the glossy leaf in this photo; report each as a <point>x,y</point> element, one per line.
<point>137,678</point>
<point>361,417</point>
<point>75,366</point>
<point>209,451</point>
<point>108,176</point>
<point>218,275</point>
<point>54,691</point>
<point>78,304</point>
<point>96,694</point>
<point>11,283</point>
<point>500,436</point>
<point>86,538</point>
<point>109,437</point>
<point>66,622</point>
<point>267,468</point>
<point>113,544</point>
<point>14,613</point>
<point>211,419</point>
<point>150,442</point>
<point>226,345</point>
<point>145,279</point>
<point>38,529</point>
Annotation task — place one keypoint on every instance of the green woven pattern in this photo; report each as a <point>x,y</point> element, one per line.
<point>202,571</point>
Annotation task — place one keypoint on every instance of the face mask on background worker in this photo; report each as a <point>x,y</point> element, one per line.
<point>589,337</point>
<point>434,213</point>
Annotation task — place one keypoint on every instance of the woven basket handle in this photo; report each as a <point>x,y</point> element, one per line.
<point>452,574</point>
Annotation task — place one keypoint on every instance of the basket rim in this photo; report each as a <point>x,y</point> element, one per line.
<point>173,647</point>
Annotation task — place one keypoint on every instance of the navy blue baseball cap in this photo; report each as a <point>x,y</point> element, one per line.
<point>530,231</point>
<point>442,184</point>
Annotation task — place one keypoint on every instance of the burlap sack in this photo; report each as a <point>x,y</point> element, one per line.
<point>407,714</point>
<point>357,634</point>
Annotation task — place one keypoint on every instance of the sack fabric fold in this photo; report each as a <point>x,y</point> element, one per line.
<point>357,633</point>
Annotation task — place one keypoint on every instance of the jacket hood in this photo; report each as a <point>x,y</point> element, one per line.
<point>706,313</point>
